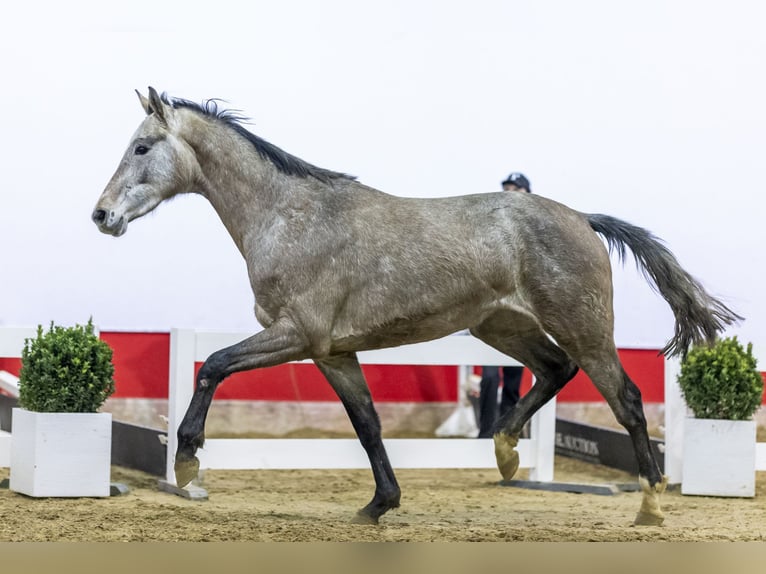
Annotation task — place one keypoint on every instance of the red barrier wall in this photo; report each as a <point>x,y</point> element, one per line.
<point>142,360</point>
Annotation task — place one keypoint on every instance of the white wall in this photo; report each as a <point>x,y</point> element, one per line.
<point>653,112</point>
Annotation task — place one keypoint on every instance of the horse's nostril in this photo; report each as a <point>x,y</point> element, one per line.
<point>99,216</point>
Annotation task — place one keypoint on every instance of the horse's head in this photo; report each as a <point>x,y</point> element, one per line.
<point>158,164</point>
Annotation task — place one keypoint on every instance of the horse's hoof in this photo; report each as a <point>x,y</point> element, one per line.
<point>362,518</point>
<point>650,514</point>
<point>506,455</point>
<point>186,470</point>
<point>648,519</point>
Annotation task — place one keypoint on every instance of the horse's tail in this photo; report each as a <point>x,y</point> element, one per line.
<point>699,316</point>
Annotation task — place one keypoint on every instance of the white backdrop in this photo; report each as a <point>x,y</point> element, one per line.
<point>653,112</point>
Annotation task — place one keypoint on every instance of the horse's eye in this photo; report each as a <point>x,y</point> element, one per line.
<point>141,150</point>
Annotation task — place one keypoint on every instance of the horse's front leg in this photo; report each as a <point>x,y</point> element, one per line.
<point>275,345</point>
<point>345,376</point>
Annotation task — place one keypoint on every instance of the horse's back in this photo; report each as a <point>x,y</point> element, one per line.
<point>495,233</point>
<point>466,256</point>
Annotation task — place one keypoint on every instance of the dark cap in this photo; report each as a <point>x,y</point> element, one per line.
<point>519,180</point>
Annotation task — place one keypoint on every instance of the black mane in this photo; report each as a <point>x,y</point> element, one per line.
<point>283,161</point>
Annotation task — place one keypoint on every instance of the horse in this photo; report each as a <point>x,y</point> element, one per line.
<point>337,267</point>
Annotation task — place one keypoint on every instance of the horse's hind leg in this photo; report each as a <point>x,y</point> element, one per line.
<point>624,398</point>
<point>345,376</point>
<point>568,284</point>
<point>520,336</point>
<point>593,349</point>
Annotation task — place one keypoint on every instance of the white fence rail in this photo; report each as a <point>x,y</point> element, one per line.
<point>537,453</point>
<point>9,383</point>
<point>188,347</point>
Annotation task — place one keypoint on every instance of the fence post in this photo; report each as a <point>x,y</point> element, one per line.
<point>543,431</point>
<point>675,413</point>
<point>180,390</point>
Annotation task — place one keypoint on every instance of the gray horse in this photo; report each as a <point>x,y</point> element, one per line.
<point>337,267</point>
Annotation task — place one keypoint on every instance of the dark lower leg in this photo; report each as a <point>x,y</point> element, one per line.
<point>191,433</point>
<point>346,378</point>
<point>547,384</point>
<point>625,400</point>
<point>630,414</point>
<point>520,336</point>
<point>278,344</point>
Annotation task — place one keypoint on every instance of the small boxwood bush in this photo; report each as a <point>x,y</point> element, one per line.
<point>65,370</point>
<point>721,381</point>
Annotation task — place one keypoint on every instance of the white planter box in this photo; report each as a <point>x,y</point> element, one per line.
<point>718,457</point>
<point>61,454</point>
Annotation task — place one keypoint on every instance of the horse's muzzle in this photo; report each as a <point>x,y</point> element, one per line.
<point>99,216</point>
<point>107,223</point>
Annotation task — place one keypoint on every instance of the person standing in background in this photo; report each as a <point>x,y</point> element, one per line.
<point>516,182</point>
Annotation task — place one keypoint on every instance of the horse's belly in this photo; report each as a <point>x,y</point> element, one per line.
<point>401,331</point>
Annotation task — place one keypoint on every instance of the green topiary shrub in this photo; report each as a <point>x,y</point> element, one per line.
<point>65,370</point>
<point>722,381</point>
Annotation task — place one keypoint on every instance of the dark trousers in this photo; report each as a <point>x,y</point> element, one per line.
<point>489,408</point>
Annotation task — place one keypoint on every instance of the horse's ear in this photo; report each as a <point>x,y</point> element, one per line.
<point>157,106</point>
<point>144,102</point>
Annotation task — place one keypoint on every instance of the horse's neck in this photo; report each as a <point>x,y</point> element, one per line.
<point>240,185</point>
